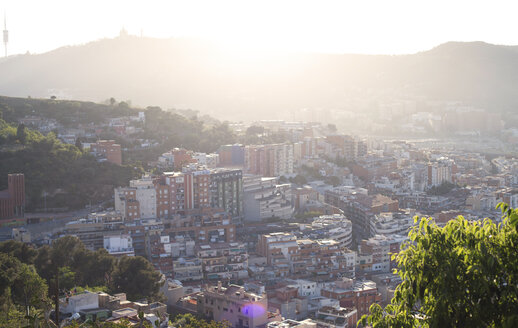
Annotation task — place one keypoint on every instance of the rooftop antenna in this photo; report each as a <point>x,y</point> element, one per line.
<point>6,34</point>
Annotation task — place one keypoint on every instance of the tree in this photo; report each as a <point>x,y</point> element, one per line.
<point>79,145</point>
<point>20,284</point>
<point>190,321</point>
<point>136,277</point>
<point>462,275</point>
<point>29,288</point>
<point>22,251</point>
<point>20,133</point>
<point>112,101</point>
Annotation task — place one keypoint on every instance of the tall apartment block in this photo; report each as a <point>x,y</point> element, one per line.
<point>12,200</point>
<point>440,171</point>
<point>269,160</point>
<point>231,155</point>
<point>179,192</point>
<point>226,191</point>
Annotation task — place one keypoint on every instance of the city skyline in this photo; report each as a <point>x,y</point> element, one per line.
<point>370,27</point>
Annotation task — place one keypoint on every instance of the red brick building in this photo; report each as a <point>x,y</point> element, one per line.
<point>109,150</point>
<point>12,200</point>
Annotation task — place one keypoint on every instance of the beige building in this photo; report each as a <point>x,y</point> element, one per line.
<point>234,305</point>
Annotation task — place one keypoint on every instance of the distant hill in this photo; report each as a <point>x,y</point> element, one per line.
<point>183,73</point>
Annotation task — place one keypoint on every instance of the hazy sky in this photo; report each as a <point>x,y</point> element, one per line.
<point>358,26</point>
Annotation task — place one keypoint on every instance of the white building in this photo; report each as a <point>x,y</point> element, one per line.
<point>391,223</point>
<point>139,196</point>
<point>440,172</point>
<point>264,198</point>
<point>335,227</point>
<point>119,245</point>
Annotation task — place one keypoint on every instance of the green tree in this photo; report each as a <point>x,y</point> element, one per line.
<point>28,288</point>
<point>462,275</point>
<point>22,251</point>
<point>20,285</point>
<point>136,277</point>
<point>79,145</point>
<point>21,134</point>
<point>190,321</point>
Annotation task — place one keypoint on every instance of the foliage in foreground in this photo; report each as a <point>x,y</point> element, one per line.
<point>462,275</point>
<point>28,278</point>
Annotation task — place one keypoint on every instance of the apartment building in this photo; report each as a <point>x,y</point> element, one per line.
<point>107,150</point>
<point>235,305</point>
<point>231,155</point>
<point>378,251</point>
<point>226,191</point>
<point>341,317</point>
<point>353,294</point>
<point>360,207</point>
<point>178,192</point>
<point>392,223</point>
<point>320,259</point>
<point>175,159</point>
<point>223,260</point>
<point>159,254</point>
<point>277,247</point>
<point>138,201</point>
<point>334,227</point>
<point>343,145</point>
<point>264,198</point>
<point>271,160</point>
<point>440,171</point>
<point>187,269</point>
<point>119,245</point>
<point>92,229</point>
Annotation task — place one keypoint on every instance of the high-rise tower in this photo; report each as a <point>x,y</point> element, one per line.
<point>6,34</point>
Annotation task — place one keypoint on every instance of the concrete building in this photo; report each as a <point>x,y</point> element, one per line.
<point>224,261</point>
<point>187,269</point>
<point>335,227</point>
<point>289,323</point>
<point>231,155</point>
<point>269,160</point>
<point>233,304</point>
<point>330,317</point>
<point>440,171</point>
<point>119,245</point>
<point>138,201</point>
<point>12,200</point>
<point>226,191</point>
<point>211,161</point>
<point>264,198</point>
<point>392,223</point>
<point>378,250</point>
<point>175,159</point>
<point>353,294</point>
<point>107,150</point>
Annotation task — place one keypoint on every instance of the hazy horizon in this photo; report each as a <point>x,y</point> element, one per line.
<point>336,27</point>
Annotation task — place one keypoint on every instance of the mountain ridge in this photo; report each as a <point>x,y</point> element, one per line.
<point>184,73</point>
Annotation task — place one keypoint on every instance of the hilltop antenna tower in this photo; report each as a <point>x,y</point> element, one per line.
<point>6,34</point>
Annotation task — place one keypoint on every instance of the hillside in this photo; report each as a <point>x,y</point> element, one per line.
<point>184,73</point>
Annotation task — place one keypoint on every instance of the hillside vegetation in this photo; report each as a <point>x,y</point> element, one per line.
<point>69,177</point>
